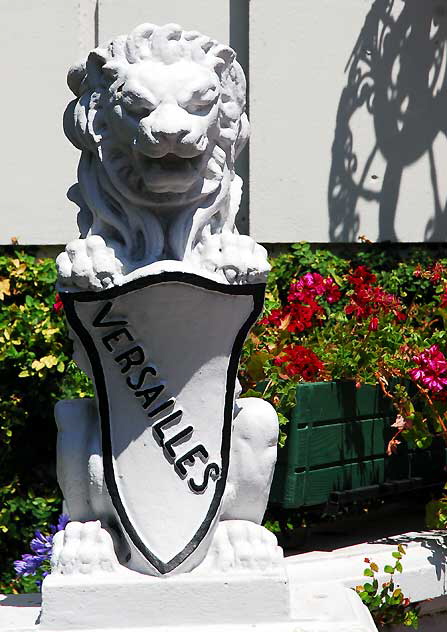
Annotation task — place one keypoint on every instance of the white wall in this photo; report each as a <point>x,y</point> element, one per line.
<point>348,126</point>
<point>40,40</point>
<point>350,75</point>
<point>209,16</point>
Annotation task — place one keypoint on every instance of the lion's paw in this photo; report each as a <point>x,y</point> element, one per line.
<point>236,258</point>
<point>83,547</point>
<point>242,545</point>
<point>88,264</point>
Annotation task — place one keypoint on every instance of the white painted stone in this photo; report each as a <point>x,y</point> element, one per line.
<point>136,601</point>
<point>424,564</point>
<point>19,612</point>
<point>230,602</point>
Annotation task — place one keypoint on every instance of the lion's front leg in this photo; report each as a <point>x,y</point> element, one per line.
<point>252,460</point>
<point>240,542</point>
<point>80,474</point>
<point>78,453</point>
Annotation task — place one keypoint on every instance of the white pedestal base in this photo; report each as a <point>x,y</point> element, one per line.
<point>241,602</point>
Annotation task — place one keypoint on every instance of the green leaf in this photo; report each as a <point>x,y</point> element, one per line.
<point>368,572</point>
<point>251,393</point>
<point>388,569</point>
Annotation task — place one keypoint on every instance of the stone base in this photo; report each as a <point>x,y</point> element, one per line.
<point>240,602</point>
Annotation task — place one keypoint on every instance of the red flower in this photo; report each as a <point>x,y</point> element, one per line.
<point>437,272</point>
<point>443,297</point>
<point>298,361</point>
<point>58,305</point>
<point>303,311</point>
<point>368,300</point>
<point>434,273</point>
<point>304,316</point>
<point>361,276</point>
<point>274,318</point>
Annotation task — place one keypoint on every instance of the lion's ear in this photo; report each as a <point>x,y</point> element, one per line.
<point>95,62</point>
<point>225,56</point>
<point>242,136</point>
<point>75,77</point>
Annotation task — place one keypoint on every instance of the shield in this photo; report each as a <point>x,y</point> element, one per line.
<point>164,352</point>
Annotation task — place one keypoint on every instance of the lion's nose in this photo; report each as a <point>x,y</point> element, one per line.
<point>169,122</point>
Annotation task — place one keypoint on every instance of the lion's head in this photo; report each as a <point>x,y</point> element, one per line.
<point>160,117</point>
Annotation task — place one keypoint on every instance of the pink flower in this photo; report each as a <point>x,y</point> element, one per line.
<point>333,294</point>
<point>431,369</point>
<point>401,423</point>
<point>392,447</point>
<point>308,286</point>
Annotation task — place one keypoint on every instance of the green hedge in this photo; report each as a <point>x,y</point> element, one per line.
<point>35,372</point>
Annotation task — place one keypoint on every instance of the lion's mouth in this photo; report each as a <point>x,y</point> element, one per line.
<point>171,162</point>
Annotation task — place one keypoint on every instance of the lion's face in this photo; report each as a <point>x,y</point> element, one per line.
<point>165,118</point>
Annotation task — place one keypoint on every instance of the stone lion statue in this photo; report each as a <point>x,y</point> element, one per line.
<point>160,119</point>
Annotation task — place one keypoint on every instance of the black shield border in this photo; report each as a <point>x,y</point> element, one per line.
<point>256,291</point>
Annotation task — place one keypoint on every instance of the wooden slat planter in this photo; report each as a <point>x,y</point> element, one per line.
<point>336,449</point>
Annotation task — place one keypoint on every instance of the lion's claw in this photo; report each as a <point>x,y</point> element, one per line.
<point>242,545</point>
<point>83,547</point>
<point>237,259</point>
<point>88,264</point>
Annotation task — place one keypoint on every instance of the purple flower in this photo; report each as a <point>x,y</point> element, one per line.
<point>29,564</point>
<point>64,519</point>
<point>41,545</point>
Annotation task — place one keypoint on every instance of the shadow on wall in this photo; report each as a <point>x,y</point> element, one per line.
<point>397,76</point>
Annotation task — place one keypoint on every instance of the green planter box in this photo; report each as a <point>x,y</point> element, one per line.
<point>336,449</point>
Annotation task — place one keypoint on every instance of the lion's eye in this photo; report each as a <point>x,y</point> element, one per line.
<point>140,110</point>
<point>138,107</point>
<point>199,108</point>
